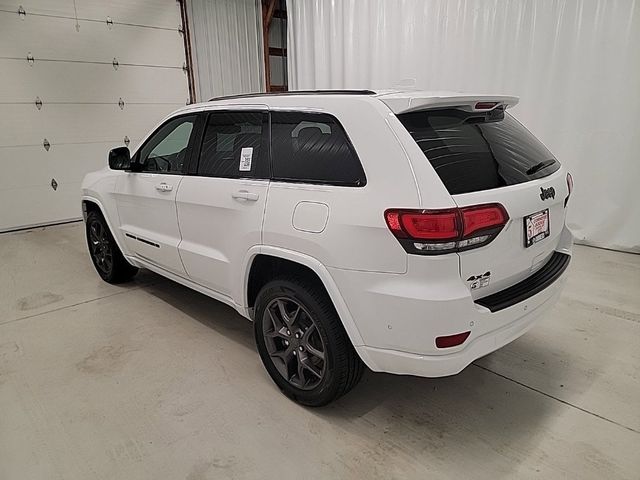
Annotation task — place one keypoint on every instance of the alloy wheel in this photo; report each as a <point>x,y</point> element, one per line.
<point>101,250</point>
<point>294,343</point>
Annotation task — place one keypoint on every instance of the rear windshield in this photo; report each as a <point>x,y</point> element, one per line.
<point>478,151</point>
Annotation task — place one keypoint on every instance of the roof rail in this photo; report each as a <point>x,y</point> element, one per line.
<point>295,92</point>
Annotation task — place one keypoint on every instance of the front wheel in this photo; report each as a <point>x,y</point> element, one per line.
<point>105,254</point>
<point>302,342</point>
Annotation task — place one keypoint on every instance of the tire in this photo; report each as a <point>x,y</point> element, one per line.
<point>313,328</point>
<point>105,254</point>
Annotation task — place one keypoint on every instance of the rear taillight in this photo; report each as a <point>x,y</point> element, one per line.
<point>431,232</point>
<point>440,225</point>
<point>569,187</point>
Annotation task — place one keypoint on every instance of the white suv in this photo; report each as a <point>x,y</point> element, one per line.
<point>411,232</point>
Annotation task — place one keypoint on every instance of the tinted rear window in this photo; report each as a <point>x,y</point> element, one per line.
<point>313,148</point>
<point>472,152</point>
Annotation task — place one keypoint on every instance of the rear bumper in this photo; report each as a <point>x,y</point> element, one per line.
<point>403,363</point>
<point>400,316</point>
<point>528,287</point>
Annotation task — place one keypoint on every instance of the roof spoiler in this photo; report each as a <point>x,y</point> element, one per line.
<point>411,102</point>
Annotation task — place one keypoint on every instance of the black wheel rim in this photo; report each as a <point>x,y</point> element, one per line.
<point>294,343</point>
<point>101,250</point>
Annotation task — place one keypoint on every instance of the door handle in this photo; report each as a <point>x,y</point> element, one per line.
<point>163,187</point>
<point>245,195</point>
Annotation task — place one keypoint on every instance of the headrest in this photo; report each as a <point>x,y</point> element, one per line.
<point>307,134</point>
<point>228,128</point>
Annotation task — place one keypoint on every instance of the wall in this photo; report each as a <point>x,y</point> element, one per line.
<point>226,45</point>
<point>574,64</point>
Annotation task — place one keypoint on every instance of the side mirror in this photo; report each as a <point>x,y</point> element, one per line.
<point>120,159</point>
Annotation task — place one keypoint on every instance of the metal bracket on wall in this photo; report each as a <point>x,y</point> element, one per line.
<point>126,140</point>
<point>109,23</point>
<point>54,184</point>
<point>21,12</point>
<point>115,63</point>
<point>46,144</point>
<point>38,103</point>
<point>30,59</point>
<point>121,103</point>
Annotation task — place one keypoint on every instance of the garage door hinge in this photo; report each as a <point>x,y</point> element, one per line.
<point>180,30</point>
<point>30,59</point>
<point>185,69</point>
<point>38,103</point>
<point>54,184</point>
<point>21,12</point>
<point>126,140</point>
<point>115,63</point>
<point>109,23</point>
<point>46,144</point>
<point>121,103</point>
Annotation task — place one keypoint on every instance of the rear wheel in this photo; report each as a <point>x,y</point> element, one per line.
<point>302,342</point>
<point>105,254</point>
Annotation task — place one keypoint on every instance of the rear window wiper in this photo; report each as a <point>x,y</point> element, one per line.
<point>539,166</point>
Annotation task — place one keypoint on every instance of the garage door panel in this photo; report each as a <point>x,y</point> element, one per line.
<point>64,124</point>
<point>27,167</point>
<point>73,75</point>
<point>58,39</point>
<point>156,13</point>
<point>39,205</point>
<point>46,7</point>
<point>23,167</point>
<point>22,82</point>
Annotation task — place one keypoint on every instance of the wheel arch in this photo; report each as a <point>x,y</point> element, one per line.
<point>265,262</point>
<point>93,204</point>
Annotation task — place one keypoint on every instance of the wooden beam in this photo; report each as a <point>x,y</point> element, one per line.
<point>268,7</point>
<point>280,14</point>
<point>268,14</point>
<point>187,51</point>
<point>278,52</point>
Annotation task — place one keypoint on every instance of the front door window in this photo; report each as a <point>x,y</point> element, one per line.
<point>166,150</point>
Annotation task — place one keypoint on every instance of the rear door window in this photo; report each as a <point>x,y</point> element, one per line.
<point>473,151</point>
<point>313,148</point>
<point>233,146</point>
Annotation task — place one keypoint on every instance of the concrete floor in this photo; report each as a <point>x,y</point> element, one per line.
<point>152,380</point>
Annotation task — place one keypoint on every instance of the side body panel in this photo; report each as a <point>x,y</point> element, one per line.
<point>148,218</point>
<point>347,229</point>
<point>218,227</point>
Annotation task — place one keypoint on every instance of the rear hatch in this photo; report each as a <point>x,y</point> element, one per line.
<point>483,155</point>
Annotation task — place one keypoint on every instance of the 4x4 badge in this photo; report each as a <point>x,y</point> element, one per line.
<point>479,281</point>
<point>547,193</point>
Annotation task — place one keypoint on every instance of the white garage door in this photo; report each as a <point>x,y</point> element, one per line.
<point>77,78</point>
